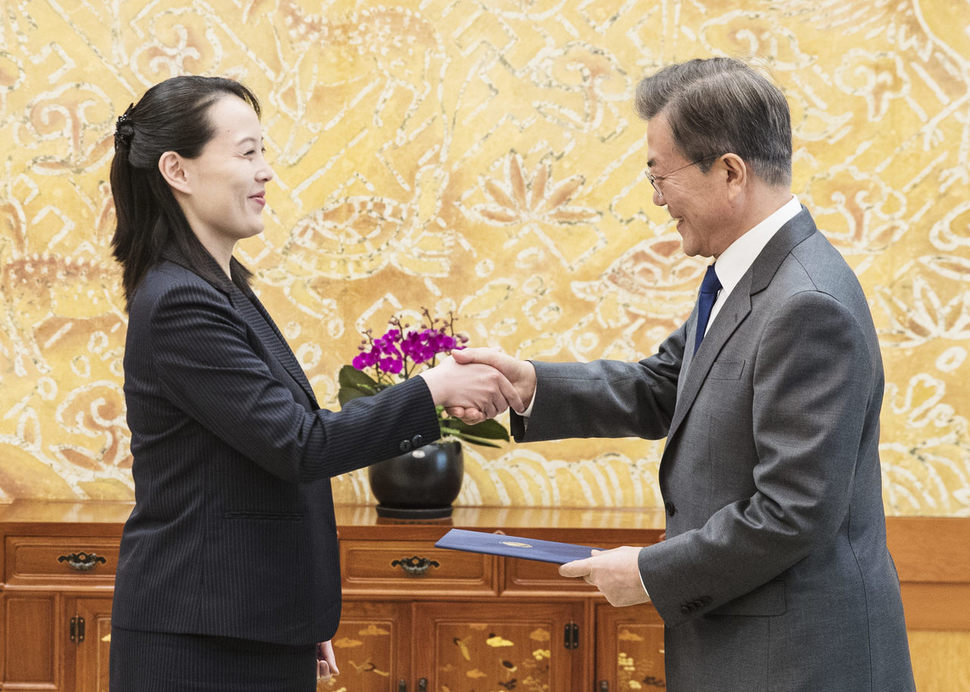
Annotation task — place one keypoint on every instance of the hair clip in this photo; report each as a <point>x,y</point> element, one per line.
<point>124,128</point>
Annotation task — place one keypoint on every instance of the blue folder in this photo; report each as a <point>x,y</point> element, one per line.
<point>513,546</point>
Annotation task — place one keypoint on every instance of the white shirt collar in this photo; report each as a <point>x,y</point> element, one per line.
<point>741,254</point>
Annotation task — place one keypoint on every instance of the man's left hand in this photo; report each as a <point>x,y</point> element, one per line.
<point>616,573</point>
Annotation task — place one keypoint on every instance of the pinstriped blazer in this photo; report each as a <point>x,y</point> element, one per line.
<point>233,530</point>
<point>774,575</point>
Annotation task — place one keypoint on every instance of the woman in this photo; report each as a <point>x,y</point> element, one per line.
<point>228,577</point>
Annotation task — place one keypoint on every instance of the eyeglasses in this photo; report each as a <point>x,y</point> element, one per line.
<point>654,179</point>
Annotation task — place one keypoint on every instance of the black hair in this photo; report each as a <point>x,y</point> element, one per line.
<point>718,106</point>
<point>171,116</point>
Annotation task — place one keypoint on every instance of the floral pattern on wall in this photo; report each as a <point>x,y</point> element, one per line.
<point>481,157</point>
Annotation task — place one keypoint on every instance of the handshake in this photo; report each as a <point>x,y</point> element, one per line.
<point>476,384</point>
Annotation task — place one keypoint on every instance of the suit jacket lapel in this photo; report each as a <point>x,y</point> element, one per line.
<point>737,307</point>
<point>256,315</point>
<point>732,314</point>
<point>253,312</point>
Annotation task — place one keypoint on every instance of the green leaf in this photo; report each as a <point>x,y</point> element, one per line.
<point>350,376</point>
<point>478,434</point>
<point>490,429</point>
<point>355,384</point>
<point>477,441</point>
<point>346,394</point>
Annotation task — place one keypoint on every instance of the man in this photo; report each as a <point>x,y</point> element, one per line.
<point>774,574</point>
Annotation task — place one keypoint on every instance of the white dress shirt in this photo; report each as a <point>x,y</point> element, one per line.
<point>741,254</point>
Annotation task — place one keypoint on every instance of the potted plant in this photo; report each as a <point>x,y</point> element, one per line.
<point>422,483</point>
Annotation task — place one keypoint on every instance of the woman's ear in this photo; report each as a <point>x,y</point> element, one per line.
<point>170,165</point>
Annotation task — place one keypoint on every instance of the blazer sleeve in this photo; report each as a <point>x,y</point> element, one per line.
<point>201,354</point>
<point>812,411</point>
<point>605,398</point>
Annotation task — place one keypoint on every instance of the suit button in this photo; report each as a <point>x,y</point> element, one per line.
<point>417,441</point>
<point>685,609</point>
<point>671,509</point>
<point>405,446</point>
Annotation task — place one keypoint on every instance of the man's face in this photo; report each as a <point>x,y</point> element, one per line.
<point>696,200</point>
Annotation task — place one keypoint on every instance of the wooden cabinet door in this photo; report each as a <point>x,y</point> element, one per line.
<point>486,646</point>
<point>372,647</point>
<point>90,654</point>
<point>629,648</point>
<point>30,643</point>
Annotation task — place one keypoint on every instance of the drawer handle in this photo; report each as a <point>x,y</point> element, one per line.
<point>415,566</point>
<point>82,562</point>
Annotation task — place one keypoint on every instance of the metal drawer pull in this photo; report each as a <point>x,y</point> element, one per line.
<point>414,565</point>
<point>82,562</point>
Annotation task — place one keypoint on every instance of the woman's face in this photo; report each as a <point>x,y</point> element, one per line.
<point>225,189</point>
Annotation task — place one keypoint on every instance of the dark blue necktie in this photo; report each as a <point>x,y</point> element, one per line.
<point>709,288</point>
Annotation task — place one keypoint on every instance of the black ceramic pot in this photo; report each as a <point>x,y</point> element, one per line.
<point>421,484</point>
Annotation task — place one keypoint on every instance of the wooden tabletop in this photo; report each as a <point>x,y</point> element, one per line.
<point>357,519</point>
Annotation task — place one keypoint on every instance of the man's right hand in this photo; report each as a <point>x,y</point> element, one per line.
<point>521,373</point>
<point>480,390</point>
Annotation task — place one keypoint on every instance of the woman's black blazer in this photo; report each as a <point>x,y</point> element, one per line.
<point>233,530</point>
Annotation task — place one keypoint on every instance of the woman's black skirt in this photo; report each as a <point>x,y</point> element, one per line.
<point>163,662</point>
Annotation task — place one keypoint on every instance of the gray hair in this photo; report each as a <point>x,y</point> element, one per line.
<point>718,106</point>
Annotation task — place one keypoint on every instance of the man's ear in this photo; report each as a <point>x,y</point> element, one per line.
<point>170,165</point>
<point>737,172</point>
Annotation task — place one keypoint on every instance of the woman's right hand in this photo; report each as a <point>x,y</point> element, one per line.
<point>475,387</point>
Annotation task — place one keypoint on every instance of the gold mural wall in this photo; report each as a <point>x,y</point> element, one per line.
<point>481,157</point>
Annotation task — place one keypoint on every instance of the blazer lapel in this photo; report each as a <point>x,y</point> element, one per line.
<point>248,305</point>
<point>259,319</point>
<point>697,366</point>
<point>733,313</point>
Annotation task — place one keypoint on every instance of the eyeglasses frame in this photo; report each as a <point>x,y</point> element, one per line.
<point>654,179</point>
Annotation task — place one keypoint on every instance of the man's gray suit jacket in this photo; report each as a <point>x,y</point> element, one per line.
<point>774,574</point>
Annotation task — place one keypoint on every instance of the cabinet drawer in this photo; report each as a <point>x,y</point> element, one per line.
<point>413,566</point>
<point>533,576</point>
<point>36,559</point>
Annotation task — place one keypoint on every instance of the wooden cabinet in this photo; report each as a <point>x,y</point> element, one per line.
<point>31,643</point>
<point>630,648</point>
<point>58,562</point>
<point>408,567</point>
<point>495,646</point>
<point>86,664</point>
<point>420,618</point>
<point>458,645</point>
<point>373,647</point>
<point>55,642</point>
<point>416,617</point>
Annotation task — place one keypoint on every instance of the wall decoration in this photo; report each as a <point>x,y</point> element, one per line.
<point>481,156</point>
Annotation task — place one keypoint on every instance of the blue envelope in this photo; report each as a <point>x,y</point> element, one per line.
<point>513,546</point>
